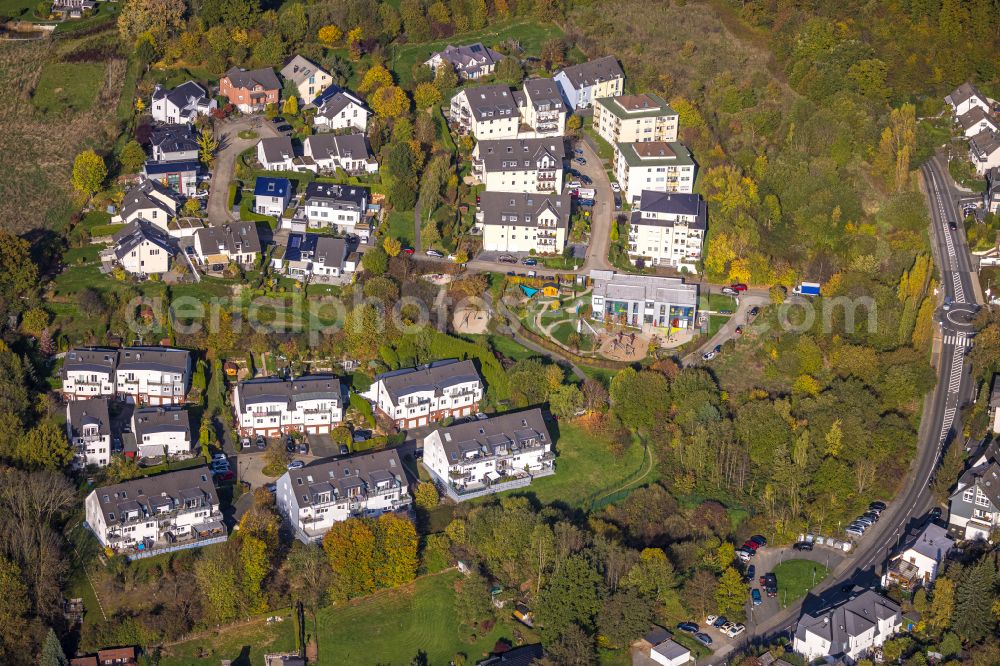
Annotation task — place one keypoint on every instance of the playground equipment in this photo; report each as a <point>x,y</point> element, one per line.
<point>529,291</point>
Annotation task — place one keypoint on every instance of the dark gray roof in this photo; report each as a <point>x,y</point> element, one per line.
<point>511,154</point>
<point>170,489</point>
<point>671,203</point>
<point>492,101</point>
<point>350,146</point>
<point>136,233</point>
<point>849,619</point>
<point>526,655</point>
<point>164,359</point>
<point>89,359</point>
<point>241,78</point>
<point>497,435</point>
<point>228,235</point>
<point>182,95</point>
<point>544,94</point>
<point>334,105</point>
<point>336,476</point>
<point>434,377</point>
<point>89,412</point>
<point>973,117</point>
<point>277,148</point>
<point>333,195</point>
<point>963,93</point>
<point>310,387</point>
<point>470,58</point>
<point>149,420</point>
<point>139,197</point>
<point>174,138</point>
<point>588,73</point>
<point>522,209</point>
<point>985,143</point>
<point>330,251</point>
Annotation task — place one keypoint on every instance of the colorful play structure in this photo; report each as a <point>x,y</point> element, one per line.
<point>528,291</point>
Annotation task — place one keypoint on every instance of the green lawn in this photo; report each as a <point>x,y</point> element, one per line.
<point>65,86</point>
<point>604,149</point>
<point>716,302</point>
<point>796,577</point>
<point>562,331</point>
<point>18,9</point>
<point>105,13</point>
<point>401,226</point>
<point>715,322</point>
<point>241,644</point>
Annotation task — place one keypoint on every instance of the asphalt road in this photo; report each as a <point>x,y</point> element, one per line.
<point>230,147</point>
<point>604,207</point>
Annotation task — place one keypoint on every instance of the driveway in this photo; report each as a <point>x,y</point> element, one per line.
<point>604,207</point>
<point>230,147</point>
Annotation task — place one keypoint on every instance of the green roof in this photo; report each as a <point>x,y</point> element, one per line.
<point>613,105</point>
<point>680,157</point>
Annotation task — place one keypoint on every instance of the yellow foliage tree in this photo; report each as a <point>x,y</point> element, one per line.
<point>354,36</point>
<point>720,253</point>
<point>426,95</point>
<point>392,246</point>
<point>329,35</point>
<point>739,270</point>
<point>376,77</point>
<point>895,148</point>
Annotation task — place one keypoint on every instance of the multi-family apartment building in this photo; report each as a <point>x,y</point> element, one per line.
<point>337,206</point>
<point>272,406</point>
<point>325,492</point>
<point>309,78</point>
<point>470,62</point>
<point>589,81</point>
<point>88,373</point>
<point>635,119</point>
<point>542,108</point>
<point>250,91</point>
<point>152,375</point>
<point>667,230</point>
<point>161,431</point>
<point>349,152</point>
<point>146,515</point>
<point>232,242</point>
<point>414,397</point>
<point>340,110</point>
<point>141,249</point>
<point>88,428</point>
<point>486,455</point>
<point>522,222</point>
<point>643,301</point>
<point>918,560</point>
<point>487,112</point>
<point>659,166</point>
<point>519,165</point>
<point>850,630</point>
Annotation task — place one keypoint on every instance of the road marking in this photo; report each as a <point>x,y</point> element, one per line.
<point>960,339</point>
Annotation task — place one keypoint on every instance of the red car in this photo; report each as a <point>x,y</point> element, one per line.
<point>408,250</point>
<point>752,545</point>
<point>225,476</point>
<point>738,287</point>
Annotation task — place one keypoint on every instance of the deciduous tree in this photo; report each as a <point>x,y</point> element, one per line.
<point>329,35</point>
<point>389,102</point>
<point>89,172</point>
<point>426,95</point>
<point>132,157</point>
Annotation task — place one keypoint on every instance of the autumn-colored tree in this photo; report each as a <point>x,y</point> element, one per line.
<point>255,567</point>
<point>445,79</point>
<point>89,172</point>
<point>376,77</point>
<point>291,106</point>
<point>329,35</point>
<point>35,321</point>
<point>354,36</point>
<point>395,561</point>
<point>132,157</point>
<point>426,95</point>
<point>896,147</point>
<point>392,246</point>
<point>389,102</point>
<point>426,496</point>
<point>159,17</point>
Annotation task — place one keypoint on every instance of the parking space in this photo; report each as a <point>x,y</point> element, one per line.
<point>321,446</point>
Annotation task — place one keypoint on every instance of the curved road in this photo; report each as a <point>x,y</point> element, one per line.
<point>230,147</point>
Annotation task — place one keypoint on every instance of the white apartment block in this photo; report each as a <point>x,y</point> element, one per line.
<point>143,516</point>
<point>542,108</point>
<point>849,631</point>
<point>273,407</point>
<point>635,119</point>
<point>152,375</point>
<point>339,206</point>
<point>88,373</point>
<point>519,165</point>
<point>160,431</point>
<point>668,230</point>
<point>487,112</point>
<point>519,222</point>
<point>88,428</point>
<point>415,397</point>
<point>654,165</point>
<point>325,492</point>
<point>483,456</point>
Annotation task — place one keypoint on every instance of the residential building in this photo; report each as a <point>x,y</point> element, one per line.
<point>984,151</point>
<point>491,455</point>
<point>276,153</point>
<point>182,104</point>
<point>161,431</point>
<point>271,196</point>
<point>519,165</point>
<point>918,560</point>
<point>150,201</point>
<point>643,301</point>
<point>73,9</point>
<point>283,659</point>
<point>124,656</point>
<point>974,506</point>
<point>349,152</point>
<point>522,222</point>
<point>88,428</point>
<point>414,397</point>
<point>525,655</point>
<point>329,491</point>
<point>635,119</point>
<point>966,97</point>
<point>142,249</point>
<point>667,230</point>
<point>656,648</point>
<point>314,256</point>
<point>341,111</point>
<point>850,630</point>
<point>473,61</point>
<point>181,176</point>
<point>273,407</point>
<point>337,206</point>
<point>250,91</point>
<point>542,109</point>
<point>991,204</point>
<point>232,242</point>
<point>88,373</point>
<point>140,517</point>
<point>487,112</point>
<point>173,143</point>
<point>589,81</point>
<point>309,78</point>
<point>152,375</point>
<point>976,120</point>
<point>659,166</point>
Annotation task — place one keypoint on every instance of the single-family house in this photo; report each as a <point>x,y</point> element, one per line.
<point>273,406</point>
<point>918,560</point>
<point>635,119</point>
<point>314,255</point>
<point>73,9</point>
<point>487,112</point>
<point>991,204</point>
<point>173,143</point>
<point>976,120</point>
<point>182,104</point>
<point>974,505</point>
<point>341,110</point>
<point>491,455</point>
<point>657,648</point>
<point>542,109</point>
<point>349,152</point>
<point>643,301</point>
<point>150,201</point>
<point>88,428</point>
<point>849,630</point>
<point>232,242</point>
<point>142,249</point>
<point>589,81</point>
<point>472,61</point>
<point>152,375</point>
<point>965,97</point>
<point>524,222</point>
<point>524,655</point>
<point>414,397</point>
<point>123,656</point>
<point>88,373</point>
<point>250,91</point>
<point>520,165</point>
<point>984,151</point>
<point>337,206</point>
<point>312,499</point>
<point>667,230</point>
<point>181,176</point>
<point>271,196</point>
<point>140,517</point>
<point>309,78</point>
<point>661,166</point>
<point>161,431</point>
<point>276,153</point>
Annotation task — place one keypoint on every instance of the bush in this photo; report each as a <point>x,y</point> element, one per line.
<point>364,408</point>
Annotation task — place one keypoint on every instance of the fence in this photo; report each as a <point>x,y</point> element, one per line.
<point>462,496</point>
<point>153,552</point>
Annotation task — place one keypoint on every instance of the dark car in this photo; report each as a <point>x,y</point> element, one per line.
<point>586,179</point>
<point>689,627</point>
<point>530,262</point>
<point>278,119</point>
<point>739,330</point>
<point>751,572</point>
<point>222,477</point>
<point>878,506</point>
<point>935,513</point>
<point>720,621</point>
<point>284,128</point>
<point>290,445</point>
<point>704,639</point>
<point>344,450</point>
<point>802,545</point>
<point>772,591</point>
<point>759,540</point>
<point>873,515</point>
<point>952,225</point>
<point>755,595</point>
<point>303,448</point>
<point>754,311</point>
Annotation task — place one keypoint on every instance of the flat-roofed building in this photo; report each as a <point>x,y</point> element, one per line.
<point>643,301</point>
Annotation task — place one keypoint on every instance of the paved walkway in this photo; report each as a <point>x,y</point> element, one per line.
<point>603,210</point>
<point>230,147</point>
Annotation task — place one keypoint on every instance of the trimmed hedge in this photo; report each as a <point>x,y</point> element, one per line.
<point>497,384</point>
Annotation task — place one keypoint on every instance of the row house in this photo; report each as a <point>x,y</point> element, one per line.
<point>325,492</point>
<point>849,631</point>
<point>519,165</point>
<point>309,79</point>
<point>524,222</point>
<point>340,207</point>
<point>340,110</point>
<point>183,104</point>
<point>587,82</point>
<point>918,561</point>
<point>273,407</point>
<point>659,166</point>
<point>643,301</point>
<point>470,62</point>
<point>148,200</point>
<point>414,397</point>
<point>250,91</point>
<point>233,242</point>
<point>143,516</point>
<point>88,428</point>
<point>308,255</point>
<point>635,119</point>
<point>349,152</point>
<point>88,373</point>
<point>668,230</point>
<point>152,375</point>
<point>160,431</point>
<point>484,454</point>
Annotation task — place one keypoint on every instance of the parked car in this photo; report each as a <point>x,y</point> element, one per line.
<point>935,513</point>
<point>769,580</point>
<point>704,639</point>
<point>802,545</point>
<point>744,554</point>
<point>751,545</point>
<point>218,456</point>
<point>227,475</point>
<point>615,187</point>
<point>290,445</point>
<point>578,151</point>
<point>530,261</point>
<point>739,287</point>
<point>736,630</point>
<point>507,259</point>
<point>873,515</point>
<point>303,448</point>
<point>710,620</point>
<point>296,464</point>
<point>868,522</point>
<point>759,540</point>
<point>272,487</point>
<point>879,506</point>
<point>261,442</point>
<point>856,532</point>
<point>408,251</point>
<point>754,311</point>
<point>708,356</point>
<point>726,627</point>
<point>728,291</point>
<point>756,597</point>
<point>689,627</point>
<point>586,179</point>
<point>581,161</point>
<point>344,450</point>
<point>434,253</point>
<point>284,128</point>
<point>751,572</point>
<point>277,120</point>
<point>739,330</point>
<point>720,621</point>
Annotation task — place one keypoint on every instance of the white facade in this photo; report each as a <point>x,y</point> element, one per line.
<point>182,104</point>
<point>653,166</point>
<point>416,397</point>
<point>343,111</point>
<point>920,560</point>
<point>275,154</point>
<point>146,258</point>
<point>542,108</point>
<point>88,428</point>
<point>88,373</point>
<point>668,230</point>
<point>518,222</point>
<point>345,151</point>
<point>272,407</point>
<point>489,112</point>
<point>152,375</point>
<point>161,431</point>
<point>635,119</point>
<point>965,98</point>
<point>850,630</point>
<point>519,165</point>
